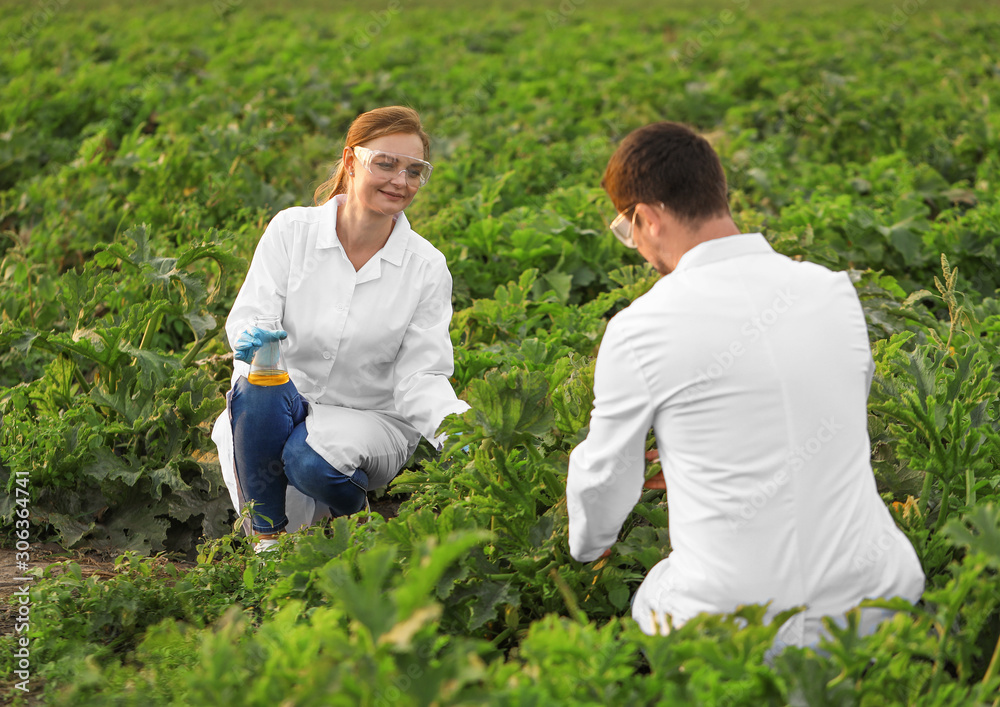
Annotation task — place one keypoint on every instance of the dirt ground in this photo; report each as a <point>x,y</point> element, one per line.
<point>43,555</point>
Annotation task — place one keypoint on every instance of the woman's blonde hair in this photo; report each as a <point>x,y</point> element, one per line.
<point>390,120</point>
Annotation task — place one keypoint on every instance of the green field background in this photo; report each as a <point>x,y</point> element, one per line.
<point>144,148</point>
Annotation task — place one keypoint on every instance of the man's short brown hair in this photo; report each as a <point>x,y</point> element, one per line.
<point>670,163</point>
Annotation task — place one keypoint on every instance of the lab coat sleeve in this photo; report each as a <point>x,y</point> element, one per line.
<point>266,284</point>
<point>425,361</point>
<point>607,469</point>
<point>862,334</point>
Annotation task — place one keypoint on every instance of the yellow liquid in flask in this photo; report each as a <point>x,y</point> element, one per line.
<point>268,377</point>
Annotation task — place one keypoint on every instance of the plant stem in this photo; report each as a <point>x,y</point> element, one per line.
<point>31,301</point>
<point>925,494</point>
<point>943,511</point>
<point>84,385</point>
<point>199,344</point>
<point>149,328</point>
<point>501,636</point>
<point>939,657</point>
<point>567,595</point>
<point>991,670</point>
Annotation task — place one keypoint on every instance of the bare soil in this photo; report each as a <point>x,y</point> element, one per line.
<point>43,555</point>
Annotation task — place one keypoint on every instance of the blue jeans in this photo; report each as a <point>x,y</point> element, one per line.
<point>269,444</point>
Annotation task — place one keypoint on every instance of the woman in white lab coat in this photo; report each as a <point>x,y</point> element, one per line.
<point>364,305</point>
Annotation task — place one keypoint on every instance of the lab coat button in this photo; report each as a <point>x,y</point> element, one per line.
<point>326,355</point>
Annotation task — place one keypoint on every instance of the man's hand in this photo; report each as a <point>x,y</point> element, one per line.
<point>656,481</point>
<point>598,562</point>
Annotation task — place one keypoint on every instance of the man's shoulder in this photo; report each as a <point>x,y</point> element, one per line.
<point>668,293</point>
<point>750,268</point>
<point>635,318</point>
<point>816,280</point>
<point>682,293</point>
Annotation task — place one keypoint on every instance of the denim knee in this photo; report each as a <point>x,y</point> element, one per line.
<point>307,471</point>
<point>262,418</point>
<point>269,400</point>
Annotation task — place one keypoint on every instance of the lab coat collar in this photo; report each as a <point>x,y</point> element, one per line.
<point>392,251</point>
<point>722,249</point>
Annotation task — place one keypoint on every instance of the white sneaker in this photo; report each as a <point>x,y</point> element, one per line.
<point>266,544</point>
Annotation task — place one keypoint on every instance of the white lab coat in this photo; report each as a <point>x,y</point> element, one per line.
<point>754,371</point>
<point>373,340</point>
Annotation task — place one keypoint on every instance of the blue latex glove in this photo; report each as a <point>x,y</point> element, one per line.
<point>466,447</point>
<point>252,339</point>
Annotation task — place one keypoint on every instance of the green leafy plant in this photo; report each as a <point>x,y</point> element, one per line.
<point>871,149</point>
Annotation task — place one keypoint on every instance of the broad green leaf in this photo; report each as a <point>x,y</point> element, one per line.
<point>428,569</point>
<point>979,531</point>
<point>511,407</point>
<point>487,598</point>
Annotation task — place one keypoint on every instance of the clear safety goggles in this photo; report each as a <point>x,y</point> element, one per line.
<point>388,164</point>
<point>622,227</point>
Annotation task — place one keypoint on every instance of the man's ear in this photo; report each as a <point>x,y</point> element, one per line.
<point>647,215</point>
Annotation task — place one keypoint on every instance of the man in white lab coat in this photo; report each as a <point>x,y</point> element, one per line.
<point>753,370</point>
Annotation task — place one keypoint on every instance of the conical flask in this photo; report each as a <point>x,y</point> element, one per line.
<point>268,365</point>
